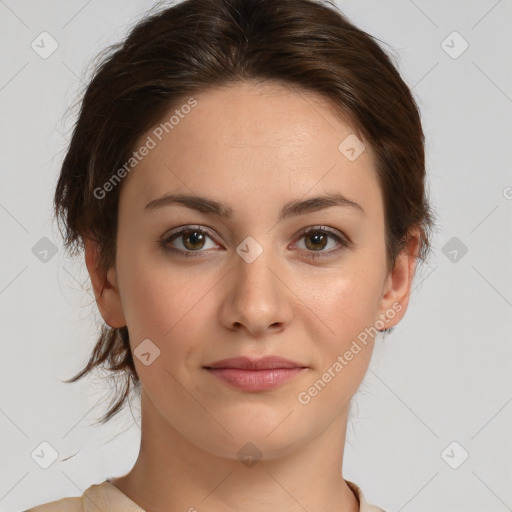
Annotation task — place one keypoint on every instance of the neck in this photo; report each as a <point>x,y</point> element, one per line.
<point>172,473</point>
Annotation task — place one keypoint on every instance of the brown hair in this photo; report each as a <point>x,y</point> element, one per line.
<point>196,44</point>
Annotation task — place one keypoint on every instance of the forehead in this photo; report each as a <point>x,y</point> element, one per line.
<point>248,139</point>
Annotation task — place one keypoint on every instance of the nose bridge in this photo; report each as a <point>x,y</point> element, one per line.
<point>257,297</point>
<point>253,274</point>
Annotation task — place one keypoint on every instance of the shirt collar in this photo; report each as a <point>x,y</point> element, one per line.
<point>106,496</point>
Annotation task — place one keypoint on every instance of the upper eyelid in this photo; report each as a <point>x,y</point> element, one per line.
<point>180,230</point>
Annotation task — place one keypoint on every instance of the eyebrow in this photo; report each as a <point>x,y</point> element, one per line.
<point>290,209</point>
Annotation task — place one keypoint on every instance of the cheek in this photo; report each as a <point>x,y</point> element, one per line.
<point>153,303</point>
<point>344,310</point>
<point>343,302</point>
<point>164,303</point>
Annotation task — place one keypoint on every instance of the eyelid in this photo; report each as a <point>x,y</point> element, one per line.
<point>333,232</point>
<point>173,234</point>
<point>188,227</point>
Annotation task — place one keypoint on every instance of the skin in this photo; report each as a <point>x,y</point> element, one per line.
<point>254,147</point>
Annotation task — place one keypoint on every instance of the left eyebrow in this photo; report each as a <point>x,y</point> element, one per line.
<point>290,209</point>
<point>300,207</point>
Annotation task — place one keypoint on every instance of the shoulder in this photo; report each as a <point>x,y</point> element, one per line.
<point>62,505</point>
<point>71,504</point>
<point>364,506</point>
<point>103,496</point>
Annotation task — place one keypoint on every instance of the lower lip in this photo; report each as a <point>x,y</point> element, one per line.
<point>255,380</point>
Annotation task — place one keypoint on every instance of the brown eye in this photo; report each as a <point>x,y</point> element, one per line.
<point>187,241</point>
<point>193,239</point>
<point>317,241</point>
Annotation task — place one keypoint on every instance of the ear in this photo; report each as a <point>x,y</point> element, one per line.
<point>105,287</point>
<point>397,286</point>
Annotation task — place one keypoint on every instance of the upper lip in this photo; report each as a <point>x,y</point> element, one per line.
<point>261,363</point>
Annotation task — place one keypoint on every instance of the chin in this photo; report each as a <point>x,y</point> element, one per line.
<point>265,440</point>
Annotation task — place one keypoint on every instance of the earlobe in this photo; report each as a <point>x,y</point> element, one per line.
<point>105,287</point>
<point>398,284</point>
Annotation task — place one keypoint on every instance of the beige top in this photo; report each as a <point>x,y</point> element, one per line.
<point>106,497</point>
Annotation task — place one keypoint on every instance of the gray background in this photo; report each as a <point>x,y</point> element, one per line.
<point>444,375</point>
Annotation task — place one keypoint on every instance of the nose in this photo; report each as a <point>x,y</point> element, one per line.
<point>256,297</point>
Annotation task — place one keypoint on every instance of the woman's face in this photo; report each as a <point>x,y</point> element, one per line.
<point>280,275</point>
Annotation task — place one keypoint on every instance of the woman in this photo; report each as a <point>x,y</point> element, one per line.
<point>246,179</point>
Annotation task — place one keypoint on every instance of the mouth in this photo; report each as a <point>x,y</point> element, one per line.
<point>255,374</point>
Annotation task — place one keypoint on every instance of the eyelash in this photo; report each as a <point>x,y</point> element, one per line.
<point>344,241</point>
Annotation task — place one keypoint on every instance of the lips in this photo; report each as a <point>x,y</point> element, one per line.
<point>263,363</point>
<point>255,375</point>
